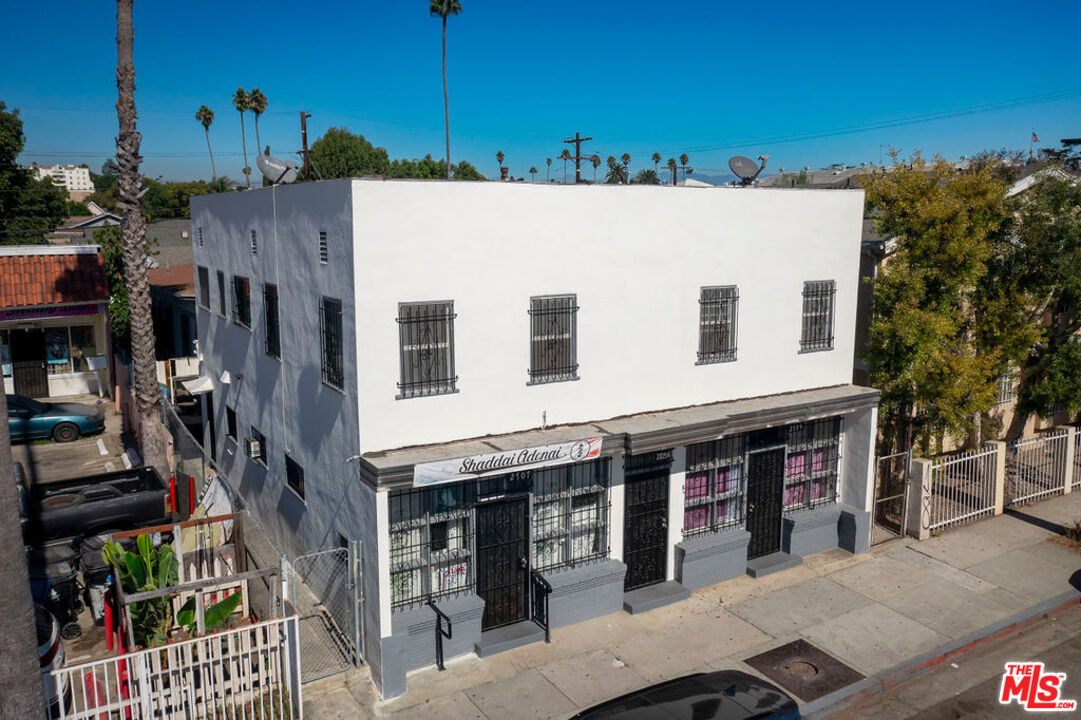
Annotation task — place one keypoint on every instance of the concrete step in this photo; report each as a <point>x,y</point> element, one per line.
<point>774,562</point>
<point>652,597</point>
<point>508,637</point>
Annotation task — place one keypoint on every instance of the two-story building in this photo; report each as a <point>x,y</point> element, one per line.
<point>615,393</point>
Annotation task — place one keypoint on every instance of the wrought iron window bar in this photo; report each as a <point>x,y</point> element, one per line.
<point>809,438</point>
<point>718,313</point>
<point>817,333</point>
<point>426,333</point>
<point>330,332</point>
<point>273,327</point>
<point>553,340</point>
<point>241,301</point>
<point>727,454</point>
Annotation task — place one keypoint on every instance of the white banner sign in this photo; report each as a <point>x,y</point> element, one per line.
<point>499,463</point>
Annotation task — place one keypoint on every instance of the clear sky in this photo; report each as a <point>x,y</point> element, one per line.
<point>712,79</point>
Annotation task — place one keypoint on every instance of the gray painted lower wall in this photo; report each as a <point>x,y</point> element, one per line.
<point>585,592</point>
<point>854,530</point>
<point>810,531</point>
<point>417,626</point>
<point>711,558</point>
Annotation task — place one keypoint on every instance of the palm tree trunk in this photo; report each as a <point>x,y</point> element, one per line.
<point>213,170</point>
<point>258,142</point>
<point>446,104</point>
<point>21,692</point>
<point>133,228</point>
<point>244,144</point>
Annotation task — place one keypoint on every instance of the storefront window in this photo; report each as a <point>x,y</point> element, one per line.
<point>57,350</point>
<point>713,490</point>
<point>811,467</point>
<point>430,543</point>
<point>570,514</point>
<point>82,347</point>
<point>5,353</point>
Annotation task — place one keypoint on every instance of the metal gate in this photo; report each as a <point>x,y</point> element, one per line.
<point>1036,468</point>
<point>326,590</point>
<point>891,491</point>
<point>765,490</point>
<point>646,524</point>
<point>503,561</point>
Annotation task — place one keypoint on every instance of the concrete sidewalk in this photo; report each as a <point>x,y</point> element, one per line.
<point>900,605</point>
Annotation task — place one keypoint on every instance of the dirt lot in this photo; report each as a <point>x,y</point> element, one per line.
<point>48,460</point>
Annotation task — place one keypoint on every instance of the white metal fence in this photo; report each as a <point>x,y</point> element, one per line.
<point>962,487</point>
<point>1077,458</point>
<point>252,672</point>
<point>1036,468</point>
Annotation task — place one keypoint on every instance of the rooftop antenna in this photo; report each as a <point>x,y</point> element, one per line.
<point>745,169</point>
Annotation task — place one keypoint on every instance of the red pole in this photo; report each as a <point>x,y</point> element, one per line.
<point>191,495</point>
<point>172,494</point>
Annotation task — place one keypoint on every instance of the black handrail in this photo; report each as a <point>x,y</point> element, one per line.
<point>541,590</point>
<point>440,633</point>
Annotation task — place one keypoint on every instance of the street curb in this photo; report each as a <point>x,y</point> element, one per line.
<point>848,696</point>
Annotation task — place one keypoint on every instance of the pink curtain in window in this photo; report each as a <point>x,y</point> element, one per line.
<point>697,485</point>
<point>795,494</point>
<point>696,517</point>
<point>797,465</point>
<point>821,459</point>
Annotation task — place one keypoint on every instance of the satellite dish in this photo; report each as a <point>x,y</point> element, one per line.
<point>277,171</point>
<point>745,168</point>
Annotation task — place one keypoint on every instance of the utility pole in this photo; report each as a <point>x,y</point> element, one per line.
<point>675,168</point>
<point>304,143</point>
<point>578,140</point>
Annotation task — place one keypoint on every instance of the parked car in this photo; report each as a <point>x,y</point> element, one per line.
<point>51,657</point>
<point>724,695</point>
<point>30,419</point>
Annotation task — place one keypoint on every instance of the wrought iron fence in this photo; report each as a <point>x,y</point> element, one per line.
<point>891,505</point>
<point>250,672</point>
<point>1036,468</point>
<point>962,487</point>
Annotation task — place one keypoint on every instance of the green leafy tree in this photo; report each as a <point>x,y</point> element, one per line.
<point>646,176</point>
<point>444,9</point>
<point>111,240</point>
<point>340,153</point>
<point>205,116</point>
<point>75,209</point>
<point>625,160</point>
<point>242,103</point>
<point>617,173</point>
<point>257,103</point>
<point>657,162</point>
<point>29,208</point>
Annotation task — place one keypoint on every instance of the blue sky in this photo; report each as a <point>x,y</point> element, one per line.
<point>710,78</point>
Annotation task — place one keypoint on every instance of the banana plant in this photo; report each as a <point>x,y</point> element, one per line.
<point>150,568</point>
<point>213,616</point>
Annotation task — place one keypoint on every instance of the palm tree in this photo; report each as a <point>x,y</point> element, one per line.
<point>656,161</point>
<point>533,173</point>
<point>133,229</point>
<point>205,116</point>
<point>646,176</point>
<point>499,158</point>
<point>257,103</point>
<point>683,161</point>
<point>565,156</point>
<point>672,166</point>
<point>444,9</point>
<point>625,158</point>
<point>616,174</point>
<point>242,102</point>
<point>596,160</point>
<point>549,176</point>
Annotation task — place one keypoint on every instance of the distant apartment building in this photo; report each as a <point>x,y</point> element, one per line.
<point>601,396</point>
<point>76,180</point>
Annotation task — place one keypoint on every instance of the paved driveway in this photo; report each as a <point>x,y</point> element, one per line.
<point>47,460</point>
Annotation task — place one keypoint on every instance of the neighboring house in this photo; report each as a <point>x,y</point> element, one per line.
<point>495,384</point>
<point>172,296</point>
<point>76,180</point>
<point>173,242</point>
<point>81,228</point>
<point>53,319</point>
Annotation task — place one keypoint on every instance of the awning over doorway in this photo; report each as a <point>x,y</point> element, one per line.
<point>198,386</point>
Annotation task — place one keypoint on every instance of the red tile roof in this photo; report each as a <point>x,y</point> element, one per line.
<point>178,279</point>
<point>51,279</point>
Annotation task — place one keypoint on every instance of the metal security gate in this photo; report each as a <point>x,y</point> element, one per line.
<point>326,590</point>
<point>503,561</point>
<point>1036,468</point>
<point>765,489</point>
<point>646,525</point>
<point>891,490</point>
<point>28,363</point>
<point>962,488</point>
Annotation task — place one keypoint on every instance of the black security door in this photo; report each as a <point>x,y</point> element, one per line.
<point>765,491</point>
<point>503,561</point>
<point>645,536</point>
<point>28,363</point>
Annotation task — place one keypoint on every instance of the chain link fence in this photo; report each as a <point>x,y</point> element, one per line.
<point>327,601</point>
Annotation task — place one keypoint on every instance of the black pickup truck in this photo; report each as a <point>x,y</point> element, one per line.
<point>86,506</point>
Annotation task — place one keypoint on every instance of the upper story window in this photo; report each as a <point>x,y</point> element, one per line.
<point>241,301</point>
<point>817,332</point>
<point>553,339</point>
<point>717,324</point>
<point>221,294</point>
<point>1007,387</point>
<point>204,288</point>
<point>273,329</point>
<point>814,449</point>
<point>294,476</point>
<point>330,327</point>
<point>426,331</point>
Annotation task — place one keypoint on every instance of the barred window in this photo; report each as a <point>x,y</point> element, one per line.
<point>817,315</point>
<point>553,346</point>
<point>1007,387</point>
<point>811,465</point>
<point>294,476</point>
<point>570,514</point>
<point>431,540</point>
<point>717,324</point>
<point>426,331</point>
<point>241,301</point>
<point>714,485</point>
<point>204,287</point>
<point>273,329</point>
<point>330,330</point>
<point>221,294</point>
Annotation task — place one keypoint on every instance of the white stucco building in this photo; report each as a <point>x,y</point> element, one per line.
<point>606,395</point>
<point>76,180</point>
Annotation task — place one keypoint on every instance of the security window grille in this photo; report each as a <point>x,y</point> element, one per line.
<point>1007,387</point>
<point>330,327</point>
<point>261,439</point>
<point>570,514</point>
<point>273,329</point>
<point>426,331</point>
<point>204,288</point>
<point>814,449</point>
<point>714,486</point>
<point>431,541</point>
<point>254,244</point>
<point>324,253</point>
<point>241,301</point>
<point>294,476</point>
<point>817,315</point>
<point>553,346</point>
<point>230,423</point>
<point>717,324</point>
<point>221,294</point>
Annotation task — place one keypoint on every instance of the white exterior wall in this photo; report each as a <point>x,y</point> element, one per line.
<point>636,257</point>
<point>70,177</point>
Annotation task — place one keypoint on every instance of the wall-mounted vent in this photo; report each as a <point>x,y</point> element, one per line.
<point>200,237</point>
<point>254,244</point>
<point>324,254</point>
